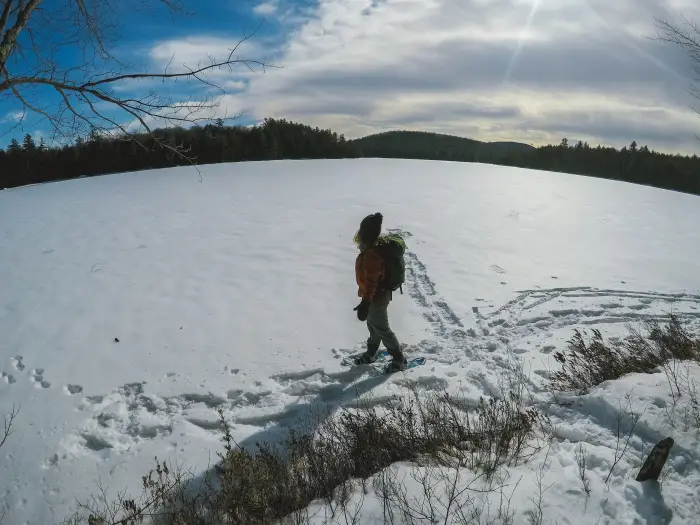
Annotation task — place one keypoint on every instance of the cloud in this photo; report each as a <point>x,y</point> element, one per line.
<point>181,54</point>
<point>529,70</point>
<point>265,8</point>
<point>13,116</point>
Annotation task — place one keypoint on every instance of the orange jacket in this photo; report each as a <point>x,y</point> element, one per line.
<point>369,271</point>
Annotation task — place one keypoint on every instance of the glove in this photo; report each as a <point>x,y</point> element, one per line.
<point>362,310</point>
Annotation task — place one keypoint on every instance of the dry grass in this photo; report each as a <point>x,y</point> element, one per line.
<point>591,362</point>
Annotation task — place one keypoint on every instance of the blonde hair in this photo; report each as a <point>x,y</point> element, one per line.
<point>357,240</point>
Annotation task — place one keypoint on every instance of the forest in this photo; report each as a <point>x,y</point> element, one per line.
<point>27,162</point>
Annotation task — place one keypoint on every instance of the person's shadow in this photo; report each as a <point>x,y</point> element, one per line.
<point>302,417</point>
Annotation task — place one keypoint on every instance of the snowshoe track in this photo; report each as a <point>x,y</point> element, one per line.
<point>423,291</point>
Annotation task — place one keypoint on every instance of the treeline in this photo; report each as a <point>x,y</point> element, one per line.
<point>631,164</point>
<point>29,163</point>
<point>634,164</point>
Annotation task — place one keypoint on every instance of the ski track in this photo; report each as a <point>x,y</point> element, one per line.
<point>131,414</point>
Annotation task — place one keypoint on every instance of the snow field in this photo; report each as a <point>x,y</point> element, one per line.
<point>237,293</point>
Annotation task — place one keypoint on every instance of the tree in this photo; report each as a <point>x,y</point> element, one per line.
<point>14,146</point>
<point>687,36</point>
<point>57,62</point>
<point>28,144</point>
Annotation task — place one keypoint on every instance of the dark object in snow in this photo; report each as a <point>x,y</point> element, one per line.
<point>656,460</point>
<point>116,339</point>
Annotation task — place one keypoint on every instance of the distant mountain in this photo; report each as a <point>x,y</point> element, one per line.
<point>437,146</point>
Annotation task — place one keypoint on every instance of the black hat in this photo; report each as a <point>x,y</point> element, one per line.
<point>370,228</point>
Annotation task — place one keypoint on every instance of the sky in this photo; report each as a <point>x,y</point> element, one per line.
<point>532,71</point>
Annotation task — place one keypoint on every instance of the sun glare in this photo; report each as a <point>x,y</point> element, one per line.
<point>521,41</point>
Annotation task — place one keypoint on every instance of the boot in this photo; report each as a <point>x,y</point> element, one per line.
<point>370,355</point>
<point>398,361</point>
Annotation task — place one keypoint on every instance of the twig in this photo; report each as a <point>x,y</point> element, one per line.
<point>619,454</point>
<point>8,431</point>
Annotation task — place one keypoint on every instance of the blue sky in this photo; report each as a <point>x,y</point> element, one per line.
<point>527,70</point>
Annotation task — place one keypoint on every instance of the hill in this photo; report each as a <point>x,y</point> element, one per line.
<point>436,146</point>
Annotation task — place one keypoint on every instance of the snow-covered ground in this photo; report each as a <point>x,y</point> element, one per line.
<point>236,292</point>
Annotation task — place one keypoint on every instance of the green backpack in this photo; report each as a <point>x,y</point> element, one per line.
<point>391,248</point>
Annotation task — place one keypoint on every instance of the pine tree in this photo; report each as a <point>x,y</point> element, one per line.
<point>28,143</point>
<point>14,147</point>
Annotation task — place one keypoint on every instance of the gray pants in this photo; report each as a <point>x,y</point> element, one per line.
<point>378,325</point>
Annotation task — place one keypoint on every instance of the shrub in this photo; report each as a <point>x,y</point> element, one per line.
<point>589,363</point>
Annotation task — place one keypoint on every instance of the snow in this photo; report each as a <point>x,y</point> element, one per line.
<point>236,292</point>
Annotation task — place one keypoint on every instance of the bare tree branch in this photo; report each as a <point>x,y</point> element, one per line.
<point>5,14</point>
<point>91,87</point>
<point>10,38</point>
<point>7,431</point>
<point>686,35</point>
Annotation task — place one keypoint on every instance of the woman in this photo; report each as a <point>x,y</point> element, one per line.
<point>370,271</point>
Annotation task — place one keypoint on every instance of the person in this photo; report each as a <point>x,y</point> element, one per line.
<point>370,271</point>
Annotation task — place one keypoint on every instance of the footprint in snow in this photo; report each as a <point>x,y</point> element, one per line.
<point>73,389</point>
<point>92,400</point>
<point>659,402</point>
<point>8,378</point>
<point>51,461</point>
<point>37,375</point>
<point>17,362</point>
